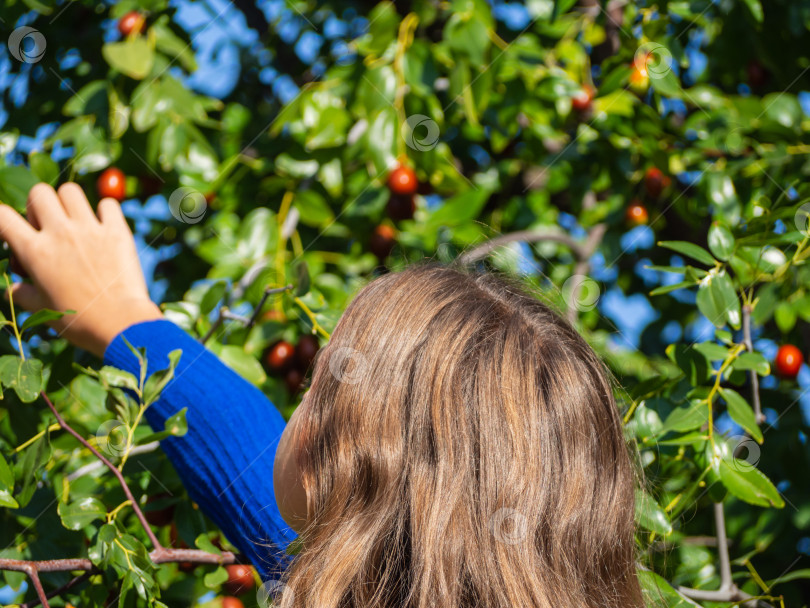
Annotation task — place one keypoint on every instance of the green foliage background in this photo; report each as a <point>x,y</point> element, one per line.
<point>736,164</point>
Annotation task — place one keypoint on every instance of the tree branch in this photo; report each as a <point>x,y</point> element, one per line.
<point>526,236</point>
<point>726,584</point>
<point>749,345</point>
<point>161,555</point>
<point>124,486</point>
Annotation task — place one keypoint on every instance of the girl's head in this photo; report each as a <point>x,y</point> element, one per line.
<point>460,447</point>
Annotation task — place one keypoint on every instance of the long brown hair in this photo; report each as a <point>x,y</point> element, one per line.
<point>459,447</point>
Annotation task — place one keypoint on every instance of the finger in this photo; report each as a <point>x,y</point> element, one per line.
<point>26,296</point>
<point>110,214</point>
<point>15,230</point>
<point>75,202</point>
<point>43,207</point>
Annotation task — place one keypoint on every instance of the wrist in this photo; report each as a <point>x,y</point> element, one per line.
<point>127,315</point>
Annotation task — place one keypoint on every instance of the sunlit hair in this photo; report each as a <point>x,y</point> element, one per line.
<point>461,447</point>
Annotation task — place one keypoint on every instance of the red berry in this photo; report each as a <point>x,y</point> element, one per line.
<point>280,356</point>
<point>131,23</point>
<point>240,579</point>
<point>788,361</point>
<point>112,183</point>
<point>581,101</point>
<point>402,180</point>
<point>305,351</point>
<point>232,602</point>
<point>401,207</point>
<point>382,241</point>
<point>655,182</point>
<point>636,214</point>
<point>639,79</point>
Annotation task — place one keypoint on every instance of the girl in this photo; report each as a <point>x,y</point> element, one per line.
<point>459,446</point>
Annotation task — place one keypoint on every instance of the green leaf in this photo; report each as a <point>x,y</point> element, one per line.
<point>650,515</point>
<point>658,592</point>
<point>755,7</point>
<point>158,381</point>
<point>133,57</point>
<point>15,183</point>
<point>214,579</point>
<point>204,543</point>
<point>112,376</point>
<point>313,209</point>
<point>717,299</point>
<point>381,140</point>
<point>172,45</point>
<point>712,351</point>
<point>721,241</point>
<point>691,250</point>
<point>176,424</point>
<point>674,287</point>
<point>6,485</point>
<point>44,167</point>
<point>741,412</point>
<point>691,361</point>
<point>752,361</point>
<point>28,469</point>
<point>44,315</point>
<point>667,84</point>
<point>687,418</point>
<point>80,513</point>
<point>242,363</point>
<point>748,484</point>
<point>24,376</point>
<point>303,282</point>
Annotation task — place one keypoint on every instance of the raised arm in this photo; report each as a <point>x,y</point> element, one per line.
<point>87,263</point>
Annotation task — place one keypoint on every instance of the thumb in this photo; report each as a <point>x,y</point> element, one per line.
<point>26,295</point>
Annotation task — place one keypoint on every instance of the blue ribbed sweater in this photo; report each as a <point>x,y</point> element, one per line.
<point>226,458</point>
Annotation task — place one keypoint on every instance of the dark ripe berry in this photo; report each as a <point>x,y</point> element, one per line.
<point>401,207</point>
<point>636,214</point>
<point>655,182</point>
<point>581,101</point>
<point>232,602</point>
<point>382,241</point>
<point>305,351</point>
<point>240,579</point>
<point>112,183</point>
<point>131,23</point>
<point>758,74</point>
<point>162,514</point>
<point>788,361</point>
<point>402,180</point>
<point>16,267</point>
<point>294,379</point>
<point>280,356</point>
<point>150,185</point>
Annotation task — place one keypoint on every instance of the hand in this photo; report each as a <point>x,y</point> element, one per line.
<point>80,262</point>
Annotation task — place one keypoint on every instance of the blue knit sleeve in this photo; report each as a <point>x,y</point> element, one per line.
<point>226,458</point>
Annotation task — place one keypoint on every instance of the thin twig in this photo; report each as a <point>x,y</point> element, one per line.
<point>526,236</point>
<point>749,344</point>
<point>726,583</point>
<point>124,486</point>
<point>60,590</point>
<point>258,310</point>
